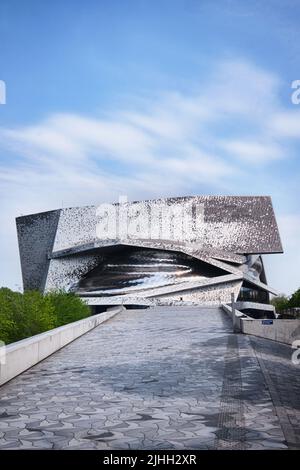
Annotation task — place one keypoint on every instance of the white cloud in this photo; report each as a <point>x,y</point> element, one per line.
<point>207,140</point>
<point>163,130</point>
<point>252,151</point>
<point>241,91</point>
<point>286,124</point>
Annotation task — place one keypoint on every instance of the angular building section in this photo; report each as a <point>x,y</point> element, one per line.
<point>195,250</point>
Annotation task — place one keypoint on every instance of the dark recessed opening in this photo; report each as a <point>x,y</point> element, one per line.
<point>134,269</point>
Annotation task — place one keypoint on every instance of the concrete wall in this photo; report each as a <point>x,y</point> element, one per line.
<point>240,305</point>
<point>236,319</point>
<point>26,353</point>
<point>284,331</point>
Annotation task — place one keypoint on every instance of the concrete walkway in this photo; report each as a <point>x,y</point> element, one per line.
<point>163,378</point>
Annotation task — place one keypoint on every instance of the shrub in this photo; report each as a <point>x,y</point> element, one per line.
<point>280,303</point>
<point>24,315</point>
<point>294,300</point>
<point>67,307</point>
<point>8,301</point>
<point>37,314</point>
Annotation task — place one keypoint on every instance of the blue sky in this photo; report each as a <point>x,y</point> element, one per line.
<point>148,99</point>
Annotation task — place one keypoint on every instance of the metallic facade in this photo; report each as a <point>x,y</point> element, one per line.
<point>195,249</point>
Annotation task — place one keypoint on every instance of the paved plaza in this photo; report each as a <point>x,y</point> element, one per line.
<point>161,378</point>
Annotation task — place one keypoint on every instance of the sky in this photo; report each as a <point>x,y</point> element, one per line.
<point>149,98</point>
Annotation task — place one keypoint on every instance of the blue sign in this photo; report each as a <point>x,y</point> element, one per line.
<point>267,322</point>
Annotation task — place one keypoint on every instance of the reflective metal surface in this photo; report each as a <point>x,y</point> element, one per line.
<point>135,269</point>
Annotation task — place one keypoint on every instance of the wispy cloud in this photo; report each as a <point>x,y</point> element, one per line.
<point>207,140</point>
<point>286,124</point>
<point>253,151</point>
<point>207,135</point>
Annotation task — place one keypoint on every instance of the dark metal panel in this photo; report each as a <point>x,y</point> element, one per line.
<point>36,235</point>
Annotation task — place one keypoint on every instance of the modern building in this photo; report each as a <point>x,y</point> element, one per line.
<point>196,250</point>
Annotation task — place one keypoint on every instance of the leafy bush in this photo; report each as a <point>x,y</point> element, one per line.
<point>294,300</point>
<point>67,307</point>
<point>36,314</point>
<point>8,301</point>
<point>24,315</point>
<point>280,303</point>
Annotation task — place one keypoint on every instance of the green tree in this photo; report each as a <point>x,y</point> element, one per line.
<point>294,300</point>
<point>7,322</point>
<point>24,315</point>
<point>280,303</point>
<point>31,313</point>
<point>67,307</point>
<point>37,314</point>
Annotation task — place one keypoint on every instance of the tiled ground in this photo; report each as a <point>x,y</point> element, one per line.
<point>164,378</point>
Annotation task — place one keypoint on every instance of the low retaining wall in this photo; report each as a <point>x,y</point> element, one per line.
<point>240,305</point>
<point>236,319</point>
<point>284,331</point>
<point>24,354</point>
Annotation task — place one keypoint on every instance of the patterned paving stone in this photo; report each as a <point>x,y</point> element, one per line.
<point>163,378</point>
